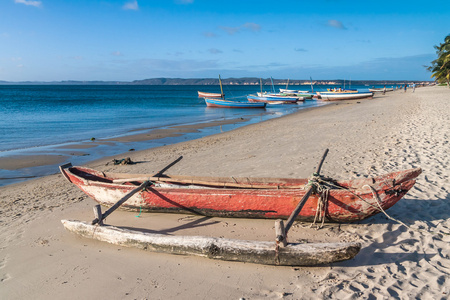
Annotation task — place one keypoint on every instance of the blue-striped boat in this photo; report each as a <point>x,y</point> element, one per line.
<point>211,102</point>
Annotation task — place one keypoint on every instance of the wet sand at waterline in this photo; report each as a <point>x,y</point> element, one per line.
<point>391,132</point>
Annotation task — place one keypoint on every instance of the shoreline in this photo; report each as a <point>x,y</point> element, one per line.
<point>391,132</point>
<point>22,164</point>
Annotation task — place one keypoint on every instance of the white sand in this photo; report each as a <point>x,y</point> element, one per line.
<point>39,260</point>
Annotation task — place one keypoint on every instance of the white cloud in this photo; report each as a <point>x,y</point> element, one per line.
<point>29,2</point>
<point>336,24</point>
<point>117,53</point>
<point>131,5</point>
<point>247,26</point>
<point>229,30</point>
<point>209,34</point>
<point>214,51</point>
<point>252,26</point>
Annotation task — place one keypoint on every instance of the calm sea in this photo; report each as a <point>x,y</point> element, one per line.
<point>36,118</point>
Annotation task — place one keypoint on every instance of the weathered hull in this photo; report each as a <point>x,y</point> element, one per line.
<point>244,197</point>
<point>307,254</point>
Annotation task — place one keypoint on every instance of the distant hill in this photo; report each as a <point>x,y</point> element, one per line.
<point>266,81</point>
<point>215,81</point>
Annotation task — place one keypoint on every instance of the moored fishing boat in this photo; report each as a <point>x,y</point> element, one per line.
<point>211,102</point>
<point>221,102</point>
<point>344,96</point>
<point>213,95</point>
<point>296,93</point>
<point>380,90</point>
<point>287,91</point>
<point>209,95</point>
<point>339,90</point>
<point>288,98</point>
<point>347,201</point>
<point>271,99</point>
<point>303,95</point>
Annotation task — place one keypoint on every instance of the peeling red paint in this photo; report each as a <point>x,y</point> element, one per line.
<point>354,204</point>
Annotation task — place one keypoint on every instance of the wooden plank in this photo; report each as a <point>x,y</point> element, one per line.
<point>209,183</point>
<point>98,214</point>
<point>308,254</point>
<point>280,233</point>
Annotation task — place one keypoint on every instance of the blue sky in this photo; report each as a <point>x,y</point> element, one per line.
<point>121,40</point>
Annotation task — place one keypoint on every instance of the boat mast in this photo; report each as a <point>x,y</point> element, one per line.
<point>260,84</point>
<point>221,89</point>
<point>287,84</point>
<point>312,89</point>
<point>273,87</point>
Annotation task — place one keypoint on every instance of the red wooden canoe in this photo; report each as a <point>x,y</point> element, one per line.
<point>353,200</point>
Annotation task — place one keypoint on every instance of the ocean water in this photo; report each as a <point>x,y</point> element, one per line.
<point>37,119</point>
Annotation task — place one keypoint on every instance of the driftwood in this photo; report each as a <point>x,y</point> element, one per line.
<point>267,253</point>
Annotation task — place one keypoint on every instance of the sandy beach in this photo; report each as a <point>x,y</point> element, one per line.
<point>396,131</point>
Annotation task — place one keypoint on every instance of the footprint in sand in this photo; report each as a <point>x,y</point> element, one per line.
<point>4,277</point>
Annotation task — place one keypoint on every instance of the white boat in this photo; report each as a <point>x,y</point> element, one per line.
<point>272,99</point>
<point>212,95</point>
<point>344,96</point>
<point>374,90</point>
<point>284,96</point>
<point>209,95</point>
<point>286,91</point>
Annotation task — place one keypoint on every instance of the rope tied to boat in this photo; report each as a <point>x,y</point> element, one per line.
<point>321,186</point>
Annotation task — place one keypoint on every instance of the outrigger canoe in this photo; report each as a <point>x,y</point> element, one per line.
<point>347,201</point>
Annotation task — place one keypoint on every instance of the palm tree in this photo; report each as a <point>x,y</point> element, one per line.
<point>440,67</point>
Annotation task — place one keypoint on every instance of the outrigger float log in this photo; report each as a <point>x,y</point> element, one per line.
<point>258,252</point>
